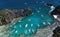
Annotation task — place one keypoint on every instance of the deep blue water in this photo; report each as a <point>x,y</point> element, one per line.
<point>17,4</point>
<point>38,8</point>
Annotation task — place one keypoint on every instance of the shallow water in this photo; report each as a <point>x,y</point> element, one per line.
<point>37,18</point>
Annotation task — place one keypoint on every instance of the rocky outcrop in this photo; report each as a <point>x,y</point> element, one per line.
<point>56,11</point>
<point>8,15</point>
<point>0,20</point>
<point>56,32</point>
<point>23,13</point>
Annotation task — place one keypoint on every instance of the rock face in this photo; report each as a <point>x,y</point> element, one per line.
<point>56,32</point>
<point>56,11</point>
<point>0,20</point>
<point>8,15</point>
<point>23,13</point>
<point>27,12</point>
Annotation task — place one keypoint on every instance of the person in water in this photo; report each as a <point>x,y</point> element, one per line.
<point>55,11</point>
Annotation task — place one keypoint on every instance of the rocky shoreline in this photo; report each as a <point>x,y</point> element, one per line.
<point>6,16</point>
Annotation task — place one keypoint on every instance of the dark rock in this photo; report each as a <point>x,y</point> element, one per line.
<point>23,13</point>
<point>56,32</point>
<point>48,4</point>
<point>0,20</point>
<point>27,12</point>
<point>56,11</point>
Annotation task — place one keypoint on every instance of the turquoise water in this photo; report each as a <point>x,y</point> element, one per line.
<point>37,18</point>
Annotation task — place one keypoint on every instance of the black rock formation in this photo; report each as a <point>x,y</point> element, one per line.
<point>56,11</point>
<point>23,13</point>
<point>56,32</point>
<point>27,12</point>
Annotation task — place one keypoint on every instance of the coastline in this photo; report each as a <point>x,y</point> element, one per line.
<point>5,27</point>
